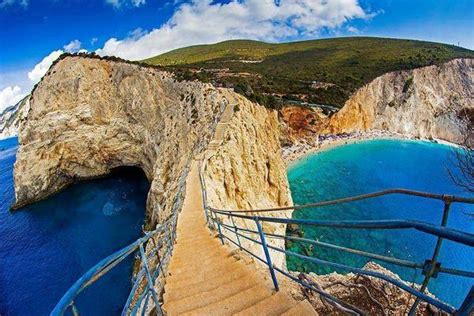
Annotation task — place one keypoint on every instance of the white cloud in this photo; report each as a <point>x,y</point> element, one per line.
<point>73,46</point>
<point>203,21</point>
<point>10,96</point>
<point>353,30</point>
<point>114,3</point>
<point>5,3</point>
<point>42,67</point>
<point>138,3</point>
<point>17,84</point>
<point>119,3</point>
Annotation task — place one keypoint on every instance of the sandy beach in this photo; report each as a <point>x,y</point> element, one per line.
<point>306,147</point>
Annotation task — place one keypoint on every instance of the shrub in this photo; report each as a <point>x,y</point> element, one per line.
<point>407,85</point>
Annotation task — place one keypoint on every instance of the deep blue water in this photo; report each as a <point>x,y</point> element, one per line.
<point>46,247</point>
<point>375,165</point>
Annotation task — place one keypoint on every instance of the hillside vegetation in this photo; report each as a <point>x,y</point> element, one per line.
<point>322,71</point>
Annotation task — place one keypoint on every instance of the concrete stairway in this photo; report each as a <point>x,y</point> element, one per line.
<point>205,279</point>
<point>221,127</point>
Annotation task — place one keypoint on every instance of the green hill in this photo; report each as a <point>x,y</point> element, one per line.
<point>322,71</point>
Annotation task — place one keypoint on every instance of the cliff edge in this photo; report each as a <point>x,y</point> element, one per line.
<point>90,115</point>
<point>428,102</point>
<point>246,170</point>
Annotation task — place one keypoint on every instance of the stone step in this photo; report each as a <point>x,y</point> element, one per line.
<point>202,252</point>
<point>196,255</point>
<point>210,282</point>
<point>183,236</point>
<point>185,291</point>
<point>206,298</point>
<point>202,276</point>
<point>274,305</point>
<point>303,308</point>
<point>185,266</point>
<point>210,265</point>
<point>234,303</point>
<point>198,247</point>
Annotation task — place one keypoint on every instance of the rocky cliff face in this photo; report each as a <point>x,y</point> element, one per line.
<point>246,171</point>
<point>89,116</point>
<point>11,118</point>
<point>428,102</point>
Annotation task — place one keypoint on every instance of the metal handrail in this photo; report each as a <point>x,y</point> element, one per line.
<point>143,288</point>
<point>146,273</point>
<point>439,231</point>
<point>392,260</point>
<point>430,267</point>
<point>427,195</point>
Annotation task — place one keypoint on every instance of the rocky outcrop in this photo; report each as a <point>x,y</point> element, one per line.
<point>12,116</point>
<point>303,122</point>
<point>246,171</point>
<point>89,116</point>
<point>372,295</point>
<point>428,102</point>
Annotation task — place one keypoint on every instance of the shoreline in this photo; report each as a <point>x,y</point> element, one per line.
<point>301,150</point>
<point>298,151</point>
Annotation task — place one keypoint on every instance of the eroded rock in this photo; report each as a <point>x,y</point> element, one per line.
<point>89,116</point>
<point>247,172</point>
<point>427,102</point>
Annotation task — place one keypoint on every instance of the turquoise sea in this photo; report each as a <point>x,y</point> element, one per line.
<point>375,165</point>
<point>47,246</point>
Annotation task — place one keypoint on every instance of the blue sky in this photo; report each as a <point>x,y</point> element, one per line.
<point>34,32</point>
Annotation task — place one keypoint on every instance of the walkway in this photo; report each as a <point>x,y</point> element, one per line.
<point>205,279</point>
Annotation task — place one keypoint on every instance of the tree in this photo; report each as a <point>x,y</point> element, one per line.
<point>464,156</point>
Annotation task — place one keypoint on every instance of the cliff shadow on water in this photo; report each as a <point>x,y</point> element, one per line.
<point>48,245</point>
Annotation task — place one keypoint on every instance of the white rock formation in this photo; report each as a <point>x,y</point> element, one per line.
<point>12,116</point>
<point>428,102</point>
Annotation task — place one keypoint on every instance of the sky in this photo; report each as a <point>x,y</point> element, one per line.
<point>35,32</point>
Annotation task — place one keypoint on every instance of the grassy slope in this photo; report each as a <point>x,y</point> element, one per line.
<point>290,68</point>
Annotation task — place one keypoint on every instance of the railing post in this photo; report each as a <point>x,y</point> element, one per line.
<point>207,215</point>
<point>203,193</point>
<point>220,231</point>
<point>433,264</point>
<point>213,219</point>
<point>74,310</point>
<point>150,283</point>
<point>157,255</point>
<point>235,229</point>
<point>147,298</point>
<point>267,254</point>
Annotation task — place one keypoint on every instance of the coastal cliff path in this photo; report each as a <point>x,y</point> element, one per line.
<point>204,278</point>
